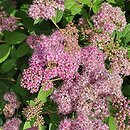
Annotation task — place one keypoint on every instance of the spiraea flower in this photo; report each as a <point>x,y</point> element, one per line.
<point>8,23</point>
<point>57,55</point>
<point>109,18</point>
<point>34,111</point>
<point>12,124</point>
<point>32,78</point>
<point>45,9</point>
<point>119,62</point>
<point>91,58</point>
<point>122,105</point>
<point>13,103</point>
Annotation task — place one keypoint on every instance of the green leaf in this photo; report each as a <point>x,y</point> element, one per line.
<point>58,17</point>
<point>4,52</point>
<point>54,121</point>
<point>87,2</point>
<point>126,30</point>
<point>127,38</point>
<point>27,125</point>
<point>42,95</point>
<point>112,123</point>
<point>111,1</point>
<point>69,4</point>
<point>75,9</point>
<point>36,21</point>
<point>96,8</point>
<point>41,127</point>
<point>8,65</point>
<point>22,50</point>
<point>14,37</point>
<point>96,5</point>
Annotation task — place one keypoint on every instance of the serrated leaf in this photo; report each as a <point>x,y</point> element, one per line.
<point>112,123</point>
<point>14,37</point>
<point>8,65</point>
<point>58,17</point>
<point>42,95</point>
<point>4,52</point>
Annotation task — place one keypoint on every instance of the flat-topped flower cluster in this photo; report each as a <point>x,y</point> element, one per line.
<point>88,86</point>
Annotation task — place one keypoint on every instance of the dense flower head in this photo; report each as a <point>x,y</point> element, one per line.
<point>66,124</point>
<point>100,108</point>
<point>8,23</point>
<point>11,105</point>
<point>32,78</point>
<point>34,111</point>
<point>12,100</point>
<point>12,124</point>
<point>109,18</point>
<point>99,125</point>
<point>45,9</point>
<point>119,62</point>
<point>8,110</point>
<point>10,97</point>
<point>99,39</point>
<point>57,55</point>
<point>92,58</point>
<point>122,105</point>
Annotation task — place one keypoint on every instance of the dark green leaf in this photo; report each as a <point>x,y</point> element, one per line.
<point>14,37</point>
<point>4,52</point>
<point>22,50</point>
<point>8,65</point>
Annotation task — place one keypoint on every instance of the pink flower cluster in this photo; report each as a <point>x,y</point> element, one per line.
<point>52,57</point>
<point>8,23</point>
<point>12,99</point>
<point>122,104</point>
<point>12,124</point>
<point>45,9</point>
<point>120,63</point>
<point>13,103</point>
<point>87,94</point>
<point>109,18</point>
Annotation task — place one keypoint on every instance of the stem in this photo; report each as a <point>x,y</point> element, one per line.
<point>49,112</point>
<point>55,23</point>
<point>55,79</point>
<point>2,41</point>
<point>10,79</point>
<point>90,8</point>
